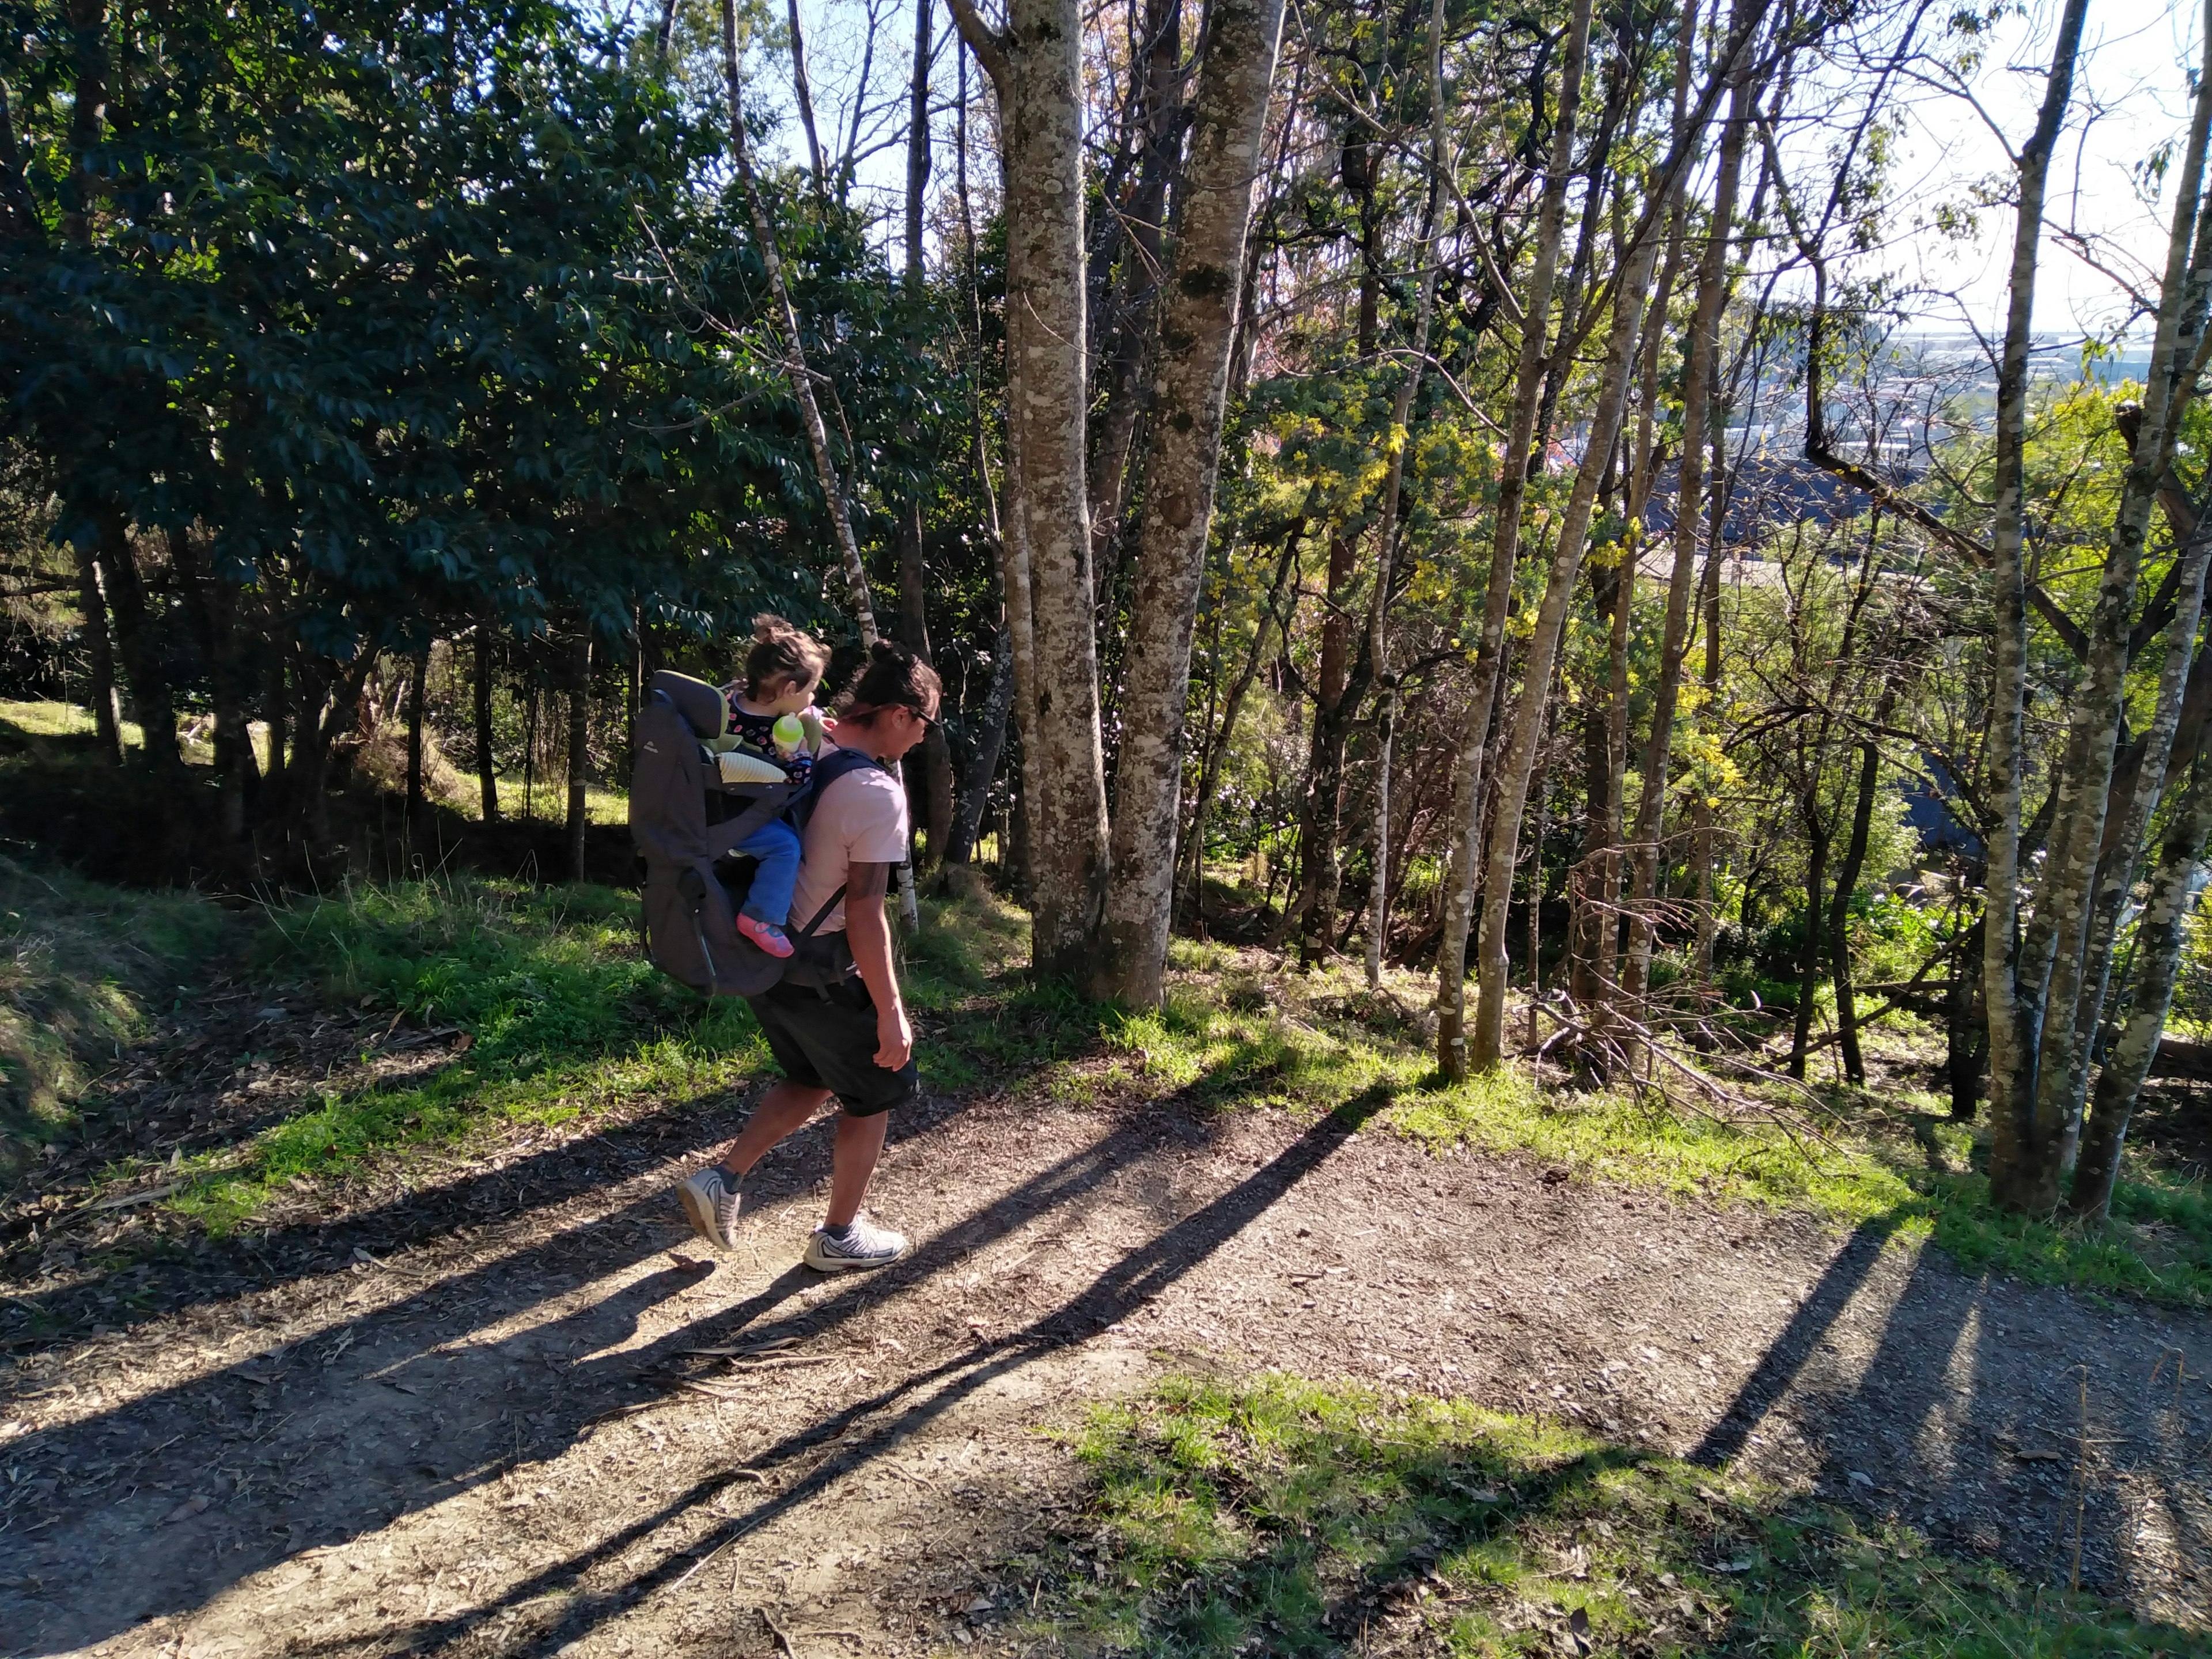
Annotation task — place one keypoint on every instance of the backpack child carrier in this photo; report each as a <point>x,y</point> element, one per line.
<point>694,795</point>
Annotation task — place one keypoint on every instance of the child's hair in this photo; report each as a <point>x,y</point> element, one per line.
<point>893,678</point>
<point>781,654</point>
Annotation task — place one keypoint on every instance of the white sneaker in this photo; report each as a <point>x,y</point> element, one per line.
<point>712,1203</point>
<point>864,1245</point>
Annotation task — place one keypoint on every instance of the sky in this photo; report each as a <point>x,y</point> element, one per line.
<point>2131,95</point>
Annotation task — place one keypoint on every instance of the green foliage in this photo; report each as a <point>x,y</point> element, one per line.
<point>1299,1516</point>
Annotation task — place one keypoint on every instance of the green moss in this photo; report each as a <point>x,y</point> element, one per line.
<point>1282,1515</point>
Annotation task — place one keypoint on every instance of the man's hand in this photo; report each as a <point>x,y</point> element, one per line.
<point>894,1038</point>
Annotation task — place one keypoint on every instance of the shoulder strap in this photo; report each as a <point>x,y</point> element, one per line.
<point>827,770</point>
<point>823,914</point>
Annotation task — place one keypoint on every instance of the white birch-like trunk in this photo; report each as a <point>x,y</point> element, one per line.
<point>1378,644</point>
<point>1525,730</point>
<point>1505,557</point>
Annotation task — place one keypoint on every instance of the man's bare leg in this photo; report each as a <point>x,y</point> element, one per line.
<point>782,1109</point>
<point>853,1162</point>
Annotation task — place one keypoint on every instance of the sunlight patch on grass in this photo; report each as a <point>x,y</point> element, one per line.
<point>83,967</point>
<point>1307,1518</point>
<point>553,1012</point>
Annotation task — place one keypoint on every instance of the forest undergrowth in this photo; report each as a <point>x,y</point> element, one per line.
<point>528,1012</point>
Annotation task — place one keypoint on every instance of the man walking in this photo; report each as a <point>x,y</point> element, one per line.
<point>852,1040</point>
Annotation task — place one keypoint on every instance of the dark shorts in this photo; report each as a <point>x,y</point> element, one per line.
<point>827,1039</point>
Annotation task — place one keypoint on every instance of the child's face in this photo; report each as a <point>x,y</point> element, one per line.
<point>784,697</point>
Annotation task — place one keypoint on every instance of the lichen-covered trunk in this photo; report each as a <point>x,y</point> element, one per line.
<point>2140,789</point>
<point>2077,941</point>
<point>1487,1044</point>
<point>1504,556</point>
<point>1064,779</point>
<point>1198,331</point>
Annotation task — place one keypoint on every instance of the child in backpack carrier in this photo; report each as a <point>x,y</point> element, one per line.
<point>781,671</point>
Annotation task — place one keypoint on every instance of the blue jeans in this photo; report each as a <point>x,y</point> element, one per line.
<point>776,844</point>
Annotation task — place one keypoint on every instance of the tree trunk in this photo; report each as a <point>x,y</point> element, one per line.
<point>143,664</point>
<point>2159,937</point>
<point>1198,330</point>
<point>1035,66</point>
<point>2025,1144</point>
<point>1809,958</point>
<point>1839,907</point>
<point>1704,341</point>
<point>1192,852</point>
<point>917,139</point>
<point>1486,1047</point>
<point>1386,531</point>
<point>803,96</point>
<point>419,668</point>
<point>1136,309</point>
<point>1513,481</point>
<point>1338,691</point>
<point>487,762</point>
<point>100,655</point>
<point>212,605</point>
<point>1966,1028</point>
<point>787,314</point>
<point>2060,933</point>
<point>580,710</point>
<point>2116,870</point>
<point>983,756</point>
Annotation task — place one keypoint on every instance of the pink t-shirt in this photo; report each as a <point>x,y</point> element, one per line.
<point>861,819</point>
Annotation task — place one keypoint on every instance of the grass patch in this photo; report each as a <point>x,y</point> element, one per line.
<point>558,1017</point>
<point>1278,1516</point>
<point>565,1019</point>
<point>556,1013</point>
<point>1234,1032</point>
<point>82,968</point>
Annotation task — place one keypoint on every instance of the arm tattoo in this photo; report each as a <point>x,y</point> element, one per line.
<point>866,881</point>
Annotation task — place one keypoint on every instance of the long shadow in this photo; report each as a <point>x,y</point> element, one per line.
<point>301,1249</point>
<point>1786,1356</point>
<point>545,1401</point>
<point>1930,1430</point>
<point>915,1403</point>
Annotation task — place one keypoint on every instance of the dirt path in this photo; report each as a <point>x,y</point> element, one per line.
<point>472,1419</point>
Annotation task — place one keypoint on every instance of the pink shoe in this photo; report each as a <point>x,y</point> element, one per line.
<point>766,934</point>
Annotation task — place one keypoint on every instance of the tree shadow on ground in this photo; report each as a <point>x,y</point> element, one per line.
<point>481,1409</point>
